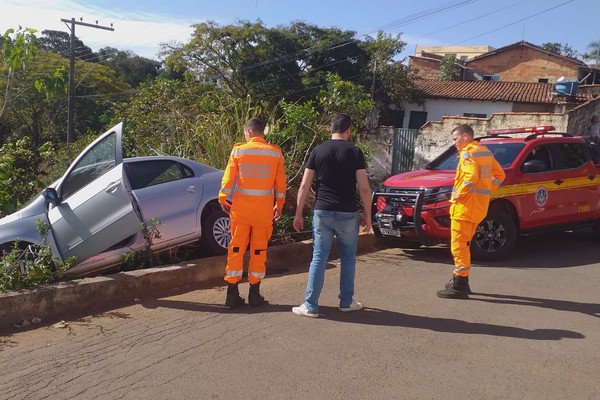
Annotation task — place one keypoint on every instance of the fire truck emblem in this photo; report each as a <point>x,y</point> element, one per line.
<point>541,196</point>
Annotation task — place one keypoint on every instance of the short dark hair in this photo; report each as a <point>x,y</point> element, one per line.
<point>463,128</point>
<point>340,123</point>
<point>257,126</point>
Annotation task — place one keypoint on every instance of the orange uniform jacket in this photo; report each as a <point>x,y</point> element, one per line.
<point>255,175</point>
<point>477,175</point>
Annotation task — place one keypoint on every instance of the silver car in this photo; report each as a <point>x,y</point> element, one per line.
<point>95,210</point>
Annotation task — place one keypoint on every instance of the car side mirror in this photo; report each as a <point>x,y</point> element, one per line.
<point>535,166</point>
<point>51,196</point>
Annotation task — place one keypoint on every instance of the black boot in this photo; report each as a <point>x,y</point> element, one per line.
<point>457,288</point>
<point>233,299</point>
<point>254,297</point>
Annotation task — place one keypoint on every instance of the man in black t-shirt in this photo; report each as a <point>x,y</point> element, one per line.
<point>338,166</point>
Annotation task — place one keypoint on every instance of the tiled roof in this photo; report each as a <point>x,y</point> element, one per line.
<point>520,92</point>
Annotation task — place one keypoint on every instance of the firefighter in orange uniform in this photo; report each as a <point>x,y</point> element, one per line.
<point>255,177</point>
<point>477,175</point>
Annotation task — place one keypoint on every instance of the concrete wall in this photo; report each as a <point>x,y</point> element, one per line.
<point>579,117</point>
<point>381,141</point>
<point>435,135</point>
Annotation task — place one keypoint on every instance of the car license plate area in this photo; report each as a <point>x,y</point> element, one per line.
<point>390,232</point>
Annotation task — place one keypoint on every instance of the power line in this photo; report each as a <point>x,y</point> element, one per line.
<point>516,22</point>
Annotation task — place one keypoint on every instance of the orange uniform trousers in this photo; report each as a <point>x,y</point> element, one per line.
<point>461,234</point>
<point>243,234</point>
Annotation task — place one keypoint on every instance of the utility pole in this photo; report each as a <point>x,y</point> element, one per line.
<point>373,81</point>
<point>71,106</point>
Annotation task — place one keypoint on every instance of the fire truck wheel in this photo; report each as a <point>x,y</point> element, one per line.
<point>495,237</point>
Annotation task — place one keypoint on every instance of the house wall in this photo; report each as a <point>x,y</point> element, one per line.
<point>524,64</point>
<point>438,108</point>
<point>425,68</point>
<point>579,117</point>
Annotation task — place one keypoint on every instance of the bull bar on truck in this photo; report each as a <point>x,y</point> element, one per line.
<point>413,199</point>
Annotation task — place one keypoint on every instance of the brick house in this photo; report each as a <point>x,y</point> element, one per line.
<point>518,62</point>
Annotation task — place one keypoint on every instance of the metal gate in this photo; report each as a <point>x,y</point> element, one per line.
<point>403,151</point>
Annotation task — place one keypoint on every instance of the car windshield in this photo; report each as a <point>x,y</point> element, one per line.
<point>504,153</point>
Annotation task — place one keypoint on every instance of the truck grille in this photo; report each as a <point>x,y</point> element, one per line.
<point>403,197</point>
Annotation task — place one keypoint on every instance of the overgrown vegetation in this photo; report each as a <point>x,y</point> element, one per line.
<point>25,266</point>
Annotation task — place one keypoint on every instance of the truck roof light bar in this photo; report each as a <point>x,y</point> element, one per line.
<point>531,129</point>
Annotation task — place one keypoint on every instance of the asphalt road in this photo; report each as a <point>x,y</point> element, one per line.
<point>532,331</point>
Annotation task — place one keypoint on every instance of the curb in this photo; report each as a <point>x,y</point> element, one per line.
<point>49,302</point>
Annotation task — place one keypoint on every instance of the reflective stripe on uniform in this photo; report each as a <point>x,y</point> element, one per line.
<point>462,269</point>
<point>255,192</point>
<point>481,191</point>
<point>257,274</point>
<point>226,190</point>
<point>496,181</point>
<point>482,154</point>
<point>234,273</point>
<point>255,152</point>
<point>281,195</point>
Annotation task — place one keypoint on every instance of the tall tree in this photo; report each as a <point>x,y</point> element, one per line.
<point>248,58</point>
<point>60,42</point>
<point>593,52</point>
<point>449,68</point>
<point>18,48</point>
<point>132,68</point>
<point>41,117</point>
<point>559,48</point>
<point>389,79</point>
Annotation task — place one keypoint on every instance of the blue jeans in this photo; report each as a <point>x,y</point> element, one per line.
<point>326,224</point>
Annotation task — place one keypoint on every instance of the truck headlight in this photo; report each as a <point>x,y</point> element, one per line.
<point>436,195</point>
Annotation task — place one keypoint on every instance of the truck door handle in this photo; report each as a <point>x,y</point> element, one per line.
<point>591,177</point>
<point>559,181</point>
<point>191,189</point>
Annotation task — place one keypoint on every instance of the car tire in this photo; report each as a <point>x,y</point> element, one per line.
<point>495,237</point>
<point>216,233</point>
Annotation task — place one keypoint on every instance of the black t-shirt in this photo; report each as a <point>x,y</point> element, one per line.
<point>335,163</point>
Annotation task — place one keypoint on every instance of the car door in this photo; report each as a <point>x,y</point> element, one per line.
<point>168,191</point>
<point>542,195</point>
<point>582,181</point>
<point>95,208</point>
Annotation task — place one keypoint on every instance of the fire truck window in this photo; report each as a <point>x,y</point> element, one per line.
<point>571,155</point>
<point>541,153</point>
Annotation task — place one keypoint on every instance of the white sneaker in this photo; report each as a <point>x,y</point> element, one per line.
<point>355,306</point>
<point>305,312</point>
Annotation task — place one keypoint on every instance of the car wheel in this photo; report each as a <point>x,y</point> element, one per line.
<point>216,233</point>
<point>495,237</point>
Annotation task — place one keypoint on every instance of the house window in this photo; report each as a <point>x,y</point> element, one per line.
<point>475,115</point>
<point>494,78</point>
<point>542,80</point>
<point>464,58</point>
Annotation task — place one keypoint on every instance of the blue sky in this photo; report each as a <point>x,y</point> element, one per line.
<point>141,25</point>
